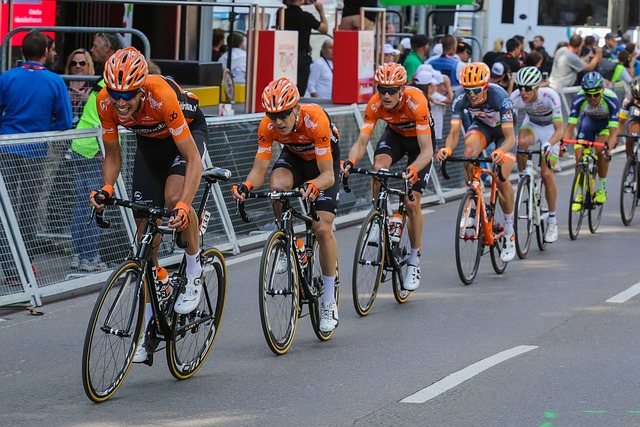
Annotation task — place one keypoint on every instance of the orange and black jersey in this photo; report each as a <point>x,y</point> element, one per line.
<point>311,138</point>
<point>411,118</point>
<point>166,110</point>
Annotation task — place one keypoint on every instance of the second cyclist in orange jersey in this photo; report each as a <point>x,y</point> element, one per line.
<point>409,132</point>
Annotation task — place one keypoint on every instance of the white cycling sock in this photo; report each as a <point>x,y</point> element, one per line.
<point>193,265</point>
<point>414,257</point>
<point>552,218</point>
<point>508,224</point>
<point>329,294</point>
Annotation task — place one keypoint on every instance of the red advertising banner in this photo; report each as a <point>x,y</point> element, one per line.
<point>26,13</point>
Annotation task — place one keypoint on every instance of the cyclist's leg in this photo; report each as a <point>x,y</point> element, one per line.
<point>283,176</point>
<point>632,127</point>
<point>475,141</point>
<point>602,167</point>
<point>526,137</point>
<point>388,151</point>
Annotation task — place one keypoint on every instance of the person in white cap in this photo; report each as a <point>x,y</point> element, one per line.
<point>500,75</point>
<point>390,53</point>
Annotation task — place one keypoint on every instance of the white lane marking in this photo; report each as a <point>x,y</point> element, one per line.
<point>625,296</point>
<point>457,378</point>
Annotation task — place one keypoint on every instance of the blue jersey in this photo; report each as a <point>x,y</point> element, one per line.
<point>496,109</point>
<point>606,110</point>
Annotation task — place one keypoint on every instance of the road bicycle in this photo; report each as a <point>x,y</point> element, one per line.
<point>630,182</point>
<point>381,252</point>
<point>117,321</point>
<point>480,221</point>
<point>583,189</point>
<point>531,210</point>
<point>284,291</point>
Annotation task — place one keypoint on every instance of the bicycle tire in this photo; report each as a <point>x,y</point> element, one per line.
<point>595,213</point>
<point>279,293</point>
<point>542,210</point>
<point>468,243</point>
<point>107,356</point>
<point>193,334</point>
<point>314,304</point>
<point>498,265</point>
<point>400,252</point>
<point>523,214</point>
<point>629,190</point>
<point>368,263</point>
<point>578,187</point>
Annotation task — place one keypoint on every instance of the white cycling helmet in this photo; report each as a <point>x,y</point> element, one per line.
<point>528,76</point>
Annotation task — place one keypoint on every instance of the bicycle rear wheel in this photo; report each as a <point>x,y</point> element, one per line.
<point>279,293</point>
<point>113,331</point>
<point>193,334</point>
<point>401,252</point>
<point>578,193</point>
<point>468,238</point>
<point>595,213</point>
<point>317,286</point>
<point>543,215</point>
<point>629,190</point>
<point>523,226</point>
<point>368,263</point>
<point>499,242</point>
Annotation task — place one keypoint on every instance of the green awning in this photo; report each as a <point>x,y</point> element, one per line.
<point>425,2</point>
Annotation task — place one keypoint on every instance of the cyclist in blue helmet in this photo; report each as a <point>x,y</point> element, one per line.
<point>599,122</point>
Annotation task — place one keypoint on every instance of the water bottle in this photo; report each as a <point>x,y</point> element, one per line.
<point>395,227</point>
<point>302,252</point>
<point>163,285</point>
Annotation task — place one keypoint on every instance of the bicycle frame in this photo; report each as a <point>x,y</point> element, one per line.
<point>536,179</point>
<point>587,164</point>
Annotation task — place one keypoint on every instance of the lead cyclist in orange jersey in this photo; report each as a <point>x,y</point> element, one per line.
<point>409,131</point>
<point>171,134</point>
<point>309,159</point>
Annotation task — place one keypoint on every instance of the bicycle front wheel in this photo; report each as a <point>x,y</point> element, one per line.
<point>314,303</point>
<point>368,263</point>
<point>113,331</point>
<point>523,226</point>
<point>193,334</point>
<point>576,202</point>
<point>499,242</point>
<point>629,190</point>
<point>279,292</point>
<point>468,238</point>
<point>542,210</point>
<point>595,213</point>
<point>401,252</point>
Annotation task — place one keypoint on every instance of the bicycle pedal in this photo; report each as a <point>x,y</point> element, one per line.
<point>149,360</point>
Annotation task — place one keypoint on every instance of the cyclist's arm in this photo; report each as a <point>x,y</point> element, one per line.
<point>258,172</point>
<point>189,152</point>
<point>360,147</point>
<point>326,178</point>
<point>454,134</point>
<point>112,162</point>
<point>568,132</point>
<point>426,152</point>
<point>509,137</point>
<point>557,132</point>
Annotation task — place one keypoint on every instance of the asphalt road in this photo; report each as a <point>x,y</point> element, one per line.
<point>540,345</point>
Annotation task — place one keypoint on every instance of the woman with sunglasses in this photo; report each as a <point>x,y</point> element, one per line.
<point>171,133</point>
<point>309,159</point>
<point>491,126</point>
<point>594,111</point>
<point>543,128</point>
<point>410,130</point>
<point>79,63</point>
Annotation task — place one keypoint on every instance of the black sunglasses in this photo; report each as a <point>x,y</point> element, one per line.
<point>593,95</point>
<point>282,115</point>
<point>127,96</point>
<point>525,88</point>
<point>388,90</point>
<point>80,63</point>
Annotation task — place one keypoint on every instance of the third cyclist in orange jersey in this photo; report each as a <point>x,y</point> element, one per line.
<point>409,131</point>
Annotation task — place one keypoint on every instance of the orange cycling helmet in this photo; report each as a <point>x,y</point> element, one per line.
<point>475,74</point>
<point>280,95</point>
<point>391,74</point>
<point>126,70</point>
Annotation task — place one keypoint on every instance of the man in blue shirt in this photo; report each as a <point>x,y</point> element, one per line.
<point>32,99</point>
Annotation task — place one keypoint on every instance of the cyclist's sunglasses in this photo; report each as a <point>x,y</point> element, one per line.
<point>593,94</point>
<point>282,115</point>
<point>526,88</point>
<point>473,90</point>
<point>388,90</point>
<point>127,96</point>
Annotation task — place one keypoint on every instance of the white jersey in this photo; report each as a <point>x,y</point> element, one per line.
<point>544,111</point>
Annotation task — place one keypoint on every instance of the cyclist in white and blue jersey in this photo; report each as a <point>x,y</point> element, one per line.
<point>541,128</point>
<point>594,111</point>
<point>630,114</point>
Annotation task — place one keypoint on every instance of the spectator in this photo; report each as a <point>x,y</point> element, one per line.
<point>104,45</point>
<point>321,76</point>
<point>351,14</point>
<point>79,63</point>
<point>415,58</point>
<point>538,46</point>
<point>32,99</point>
<point>50,62</point>
<point>610,44</point>
<point>295,19</point>
<point>405,49</point>
<point>567,64</point>
<point>217,43</point>
<point>435,52</point>
<point>490,57</point>
<point>463,52</point>
<point>501,75</point>
<point>390,53</point>
<point>622,71</point>
<point>238,65</point>
<point>437,89</point>
<point>533,59</point>
<point>446,63</point>
<point>510,58</point>
<point>523,46</point>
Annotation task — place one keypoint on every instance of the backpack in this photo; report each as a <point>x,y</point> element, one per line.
<point>607,67</point>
